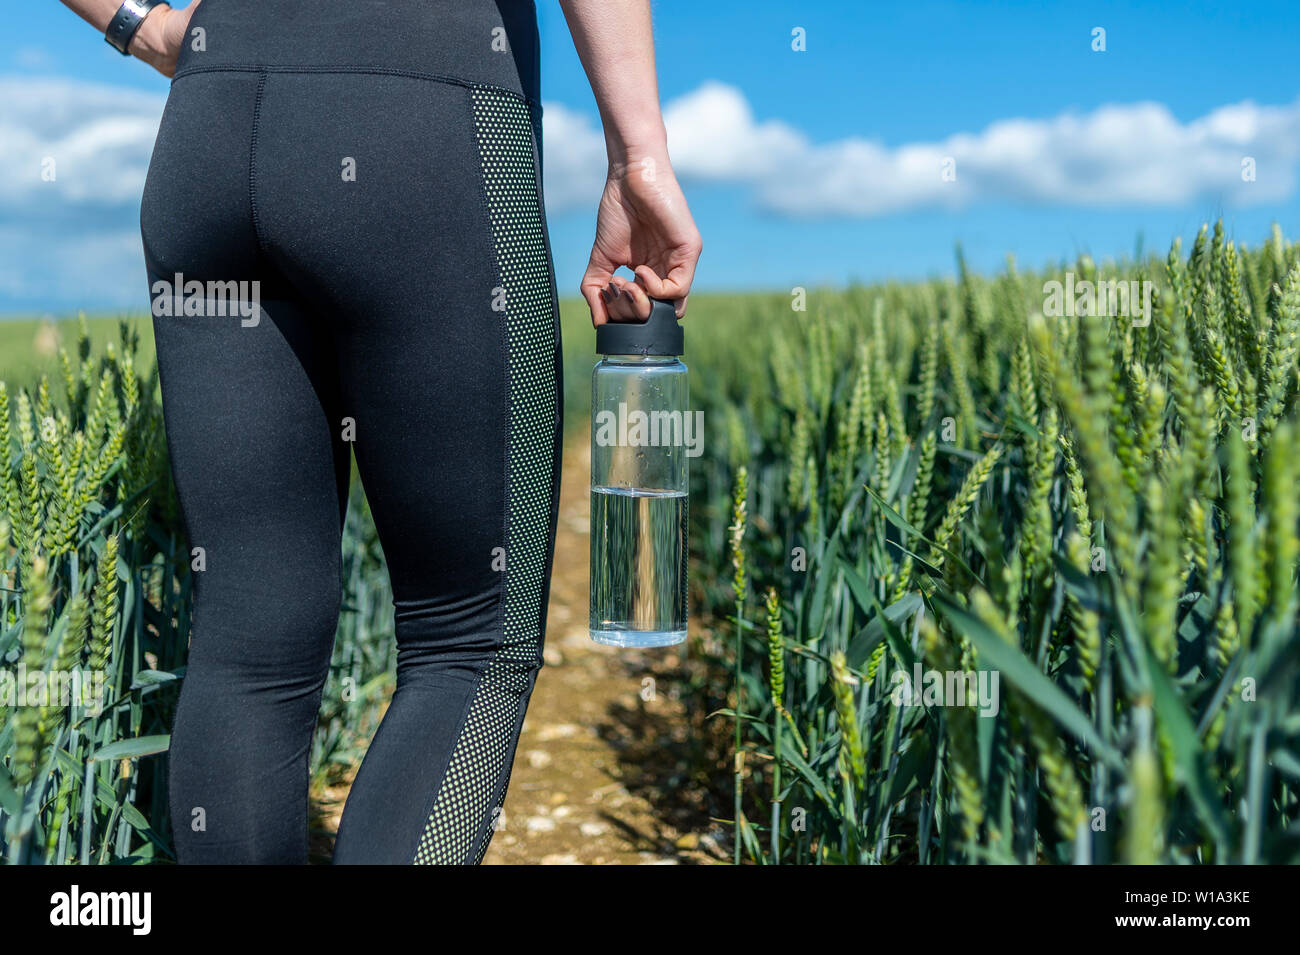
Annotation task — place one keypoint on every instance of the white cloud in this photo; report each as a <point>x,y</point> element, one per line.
<point>712,135</point>
<point>1130,154</point>
<point>573,159</point>
<point>98,136</point>
<point>1137,154</point>
<point>73,240</point>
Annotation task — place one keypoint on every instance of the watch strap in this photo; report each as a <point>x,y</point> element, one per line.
<point>126,22</point>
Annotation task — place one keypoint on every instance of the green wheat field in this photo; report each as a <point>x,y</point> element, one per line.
<point>896,479</point>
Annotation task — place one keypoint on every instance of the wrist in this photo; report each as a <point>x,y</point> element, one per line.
<point>150,42</point>
<point>631,144</point>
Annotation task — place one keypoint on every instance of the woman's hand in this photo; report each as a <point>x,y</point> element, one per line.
<point>158,41</point>
<point>644,224</point>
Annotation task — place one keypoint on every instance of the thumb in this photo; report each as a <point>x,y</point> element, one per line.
<point>675,288</point>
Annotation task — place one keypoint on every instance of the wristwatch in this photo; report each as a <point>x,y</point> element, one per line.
<point>126,21</point>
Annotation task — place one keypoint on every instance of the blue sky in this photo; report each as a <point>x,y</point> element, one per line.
<point>802,167</point>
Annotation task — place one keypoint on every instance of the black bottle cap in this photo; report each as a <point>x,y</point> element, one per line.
<point>660,334</point>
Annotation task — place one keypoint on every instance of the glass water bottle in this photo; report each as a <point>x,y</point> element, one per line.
<point>640,421</point>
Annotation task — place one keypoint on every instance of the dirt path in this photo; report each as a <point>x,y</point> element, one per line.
<point>607,770</point>
<point>603,773</point>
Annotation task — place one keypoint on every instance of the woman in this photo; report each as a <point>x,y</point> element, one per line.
<point>368,173</point>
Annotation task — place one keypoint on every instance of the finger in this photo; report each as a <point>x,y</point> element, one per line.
<point>595,305</point>
<point>665,288</point>
<point>593,281</point>
<point>640,301</point>
<point>621,306</point>
<point>615,305</point>
<point>675,288</point>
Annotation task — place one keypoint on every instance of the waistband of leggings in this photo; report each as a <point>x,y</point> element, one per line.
<point>472,42</point>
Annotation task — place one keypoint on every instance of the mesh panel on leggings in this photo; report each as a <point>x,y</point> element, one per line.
<point>505,141</point>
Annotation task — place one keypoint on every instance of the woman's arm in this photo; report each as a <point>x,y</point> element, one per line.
<point>161,33</point>
<point>643,222</point>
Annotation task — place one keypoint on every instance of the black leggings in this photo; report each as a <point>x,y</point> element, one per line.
<point>373,165</point>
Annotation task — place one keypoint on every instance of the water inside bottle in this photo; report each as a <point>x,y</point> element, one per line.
<point>638,567</point>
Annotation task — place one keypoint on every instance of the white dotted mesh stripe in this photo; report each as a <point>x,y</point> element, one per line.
<point>504,130</point>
